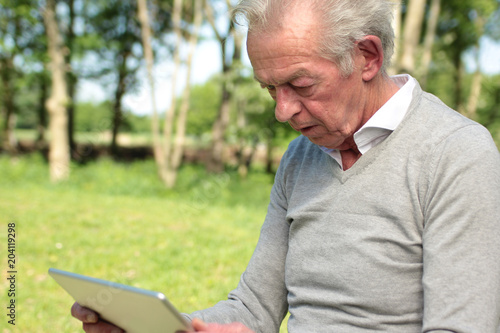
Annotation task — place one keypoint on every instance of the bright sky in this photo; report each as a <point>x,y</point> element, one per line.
<point>207,62</point>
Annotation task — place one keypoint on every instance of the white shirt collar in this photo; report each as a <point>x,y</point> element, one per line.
<point>385,120</point>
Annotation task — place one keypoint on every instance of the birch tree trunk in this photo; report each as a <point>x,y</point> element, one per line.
<point>430,35</point>
<point>59,155</point>
<point>396,25</point>
<point>477,79</point>
<point>475,93</point>
<point>170,115</point>
<point>411,36</point>
<point>168,153</point>
<point>180,136</point>
<point>158,151</point>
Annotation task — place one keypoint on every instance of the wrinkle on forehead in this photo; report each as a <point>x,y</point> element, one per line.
<point>301,72</point>
<point>279,59</point>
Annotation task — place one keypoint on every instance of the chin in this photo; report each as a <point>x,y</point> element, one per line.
<point>327,143</point>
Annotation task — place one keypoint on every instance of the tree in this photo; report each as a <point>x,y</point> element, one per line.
<point>452,28</point>
<point>59,157</point>
<point>7,73</point>
<point>168,153</point>
<point>204,107</point>
<point>256,123</point>
<point>17,33</point>
<point>396,25</point>
<point>461,27</point>
<point>229,67</point>
<point>71,76</point>
<point>411,35</point>
<point>115,33</point>
<point>430,36</point>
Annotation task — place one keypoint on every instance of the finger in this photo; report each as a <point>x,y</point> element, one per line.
<point>83,314</point>
<point>198,325</point>
<point>101,327</point>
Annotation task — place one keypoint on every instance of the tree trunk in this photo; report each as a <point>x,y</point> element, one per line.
<point>458,105</point>
<point>430,35</point>
<point>475,93</point>
<point>158,151</point>
<point>219,130</point>
<point>397,37</point>
<point>42,112</point>
<point>71,78</point>
<point>411,37</point>
<point>180,136</point>
<point>477,79</point>
<point>216,163</point>
<point>170,114</point>
<point>59,157</point>
<point>117,107</point>
<point>168,154</point>
<point>269,155</point>
<point>8,135</point>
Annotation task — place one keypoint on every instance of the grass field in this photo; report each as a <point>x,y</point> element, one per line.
<point>117,222</point>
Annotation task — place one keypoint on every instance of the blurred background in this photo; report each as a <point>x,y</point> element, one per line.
<point>136,146</point>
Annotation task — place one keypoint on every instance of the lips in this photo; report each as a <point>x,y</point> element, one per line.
<point>308,130</point>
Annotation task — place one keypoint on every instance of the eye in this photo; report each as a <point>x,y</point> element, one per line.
<point>271,87</point>
<point>301,89</point>
<point>302,85</point>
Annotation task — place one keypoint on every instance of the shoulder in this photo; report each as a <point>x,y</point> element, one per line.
<point>301,158</point>
<point>436,125</point>
<point>455,131</point>
<point>298,151</point>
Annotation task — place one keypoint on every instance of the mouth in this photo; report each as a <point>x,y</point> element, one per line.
<point>307,130</point>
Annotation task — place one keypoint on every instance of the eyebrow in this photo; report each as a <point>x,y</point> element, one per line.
<point>295,75</point>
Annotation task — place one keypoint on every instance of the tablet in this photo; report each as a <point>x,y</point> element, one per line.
<point>133,309</point>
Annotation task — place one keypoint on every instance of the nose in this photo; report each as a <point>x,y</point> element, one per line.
<point>287,103</point>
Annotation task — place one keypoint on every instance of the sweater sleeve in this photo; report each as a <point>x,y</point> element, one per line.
<point>461,237</point>
<point>260,300</point>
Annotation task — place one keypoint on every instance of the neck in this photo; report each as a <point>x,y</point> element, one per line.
<point>349,157</point>
<point>350,153</point>
<point>379,91</point>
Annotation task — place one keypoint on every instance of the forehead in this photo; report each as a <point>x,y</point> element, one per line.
<point>282,57</point>
<point>287,50</point>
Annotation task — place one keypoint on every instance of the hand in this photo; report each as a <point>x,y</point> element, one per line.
<point>200,326</point>
<point>91,321</point>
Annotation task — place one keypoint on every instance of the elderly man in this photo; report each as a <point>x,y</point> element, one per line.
<point>384,215</point>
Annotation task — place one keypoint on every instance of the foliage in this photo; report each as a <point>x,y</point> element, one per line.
<point>22,49</point>
<point>204,102</point>
<point>91,117</point>
<point>259,123</point>
<point>489,107</point>
<point>107,31</point>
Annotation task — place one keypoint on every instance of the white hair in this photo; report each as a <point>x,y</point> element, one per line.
<point>341,24</point>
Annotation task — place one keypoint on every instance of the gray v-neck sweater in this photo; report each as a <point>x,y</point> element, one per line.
<point>406,240</point>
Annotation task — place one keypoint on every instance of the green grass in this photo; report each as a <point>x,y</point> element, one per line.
<point>118,222</point>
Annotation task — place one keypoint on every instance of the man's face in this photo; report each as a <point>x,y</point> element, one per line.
<point>310,92</point>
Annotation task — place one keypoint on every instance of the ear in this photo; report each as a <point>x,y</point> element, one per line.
<point>373,55</point>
